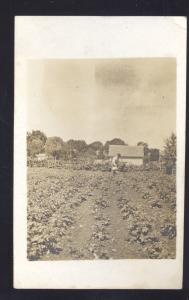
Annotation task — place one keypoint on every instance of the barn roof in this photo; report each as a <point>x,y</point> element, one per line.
<point>127,151</point>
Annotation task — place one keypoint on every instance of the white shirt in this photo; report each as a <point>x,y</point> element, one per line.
<point>114,161</point>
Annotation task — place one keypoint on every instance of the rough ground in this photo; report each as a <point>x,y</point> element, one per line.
<point>95,215</point>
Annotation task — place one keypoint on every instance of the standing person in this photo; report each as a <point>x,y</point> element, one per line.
<point>115,163</point>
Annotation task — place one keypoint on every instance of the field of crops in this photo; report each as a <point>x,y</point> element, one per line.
<point>80,214</point>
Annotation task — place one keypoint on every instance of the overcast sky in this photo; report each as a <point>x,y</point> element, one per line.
<point>98,99</point>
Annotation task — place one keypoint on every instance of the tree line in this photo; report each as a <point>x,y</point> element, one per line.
<point>38,142</point>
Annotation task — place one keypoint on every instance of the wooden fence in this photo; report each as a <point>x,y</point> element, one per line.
<point>53,163</point>
<point>91,165</point>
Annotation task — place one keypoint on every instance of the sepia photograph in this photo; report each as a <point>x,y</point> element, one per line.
<point>101,159</point>
<point>99,152</point>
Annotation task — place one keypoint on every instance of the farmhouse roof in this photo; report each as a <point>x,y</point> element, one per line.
<point>126,151</point>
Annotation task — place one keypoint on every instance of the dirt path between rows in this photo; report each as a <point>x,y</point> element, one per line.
<point>119,227</point>
<point>98,231</point>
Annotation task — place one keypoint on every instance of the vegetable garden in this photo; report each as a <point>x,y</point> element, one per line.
<point>88,214</point>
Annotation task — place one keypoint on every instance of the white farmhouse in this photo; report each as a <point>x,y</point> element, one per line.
<point>41,156</point>
<point>132,155</point>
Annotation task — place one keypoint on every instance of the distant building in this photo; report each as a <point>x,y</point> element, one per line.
<point>129,154</point>
<point>41,156</point>
<point>154,154</point>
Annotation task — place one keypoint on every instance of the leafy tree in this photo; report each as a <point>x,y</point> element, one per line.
<point>115,141</point>
<point>36,134</point>
<point>145,145</point>
<point>169,153</point>
<point>77,145</point>
<point>54,147</point>
<point>89,153</point>
<point>96,146</point>
<point>35,146</point>
<point>95,149</point>
<point>65,151</point>
<point>35,142</point>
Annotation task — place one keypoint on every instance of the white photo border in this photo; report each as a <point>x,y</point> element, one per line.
<point>95,37</point>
